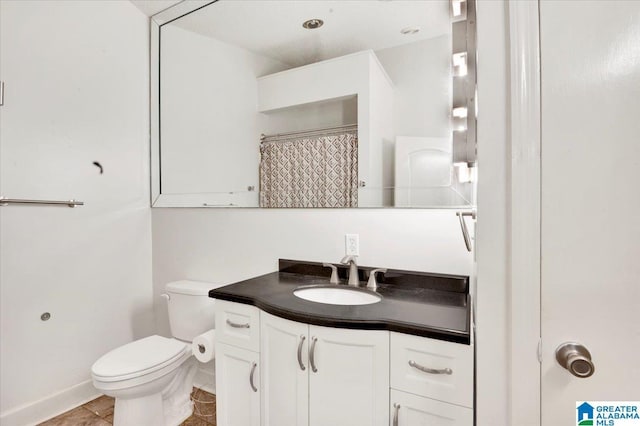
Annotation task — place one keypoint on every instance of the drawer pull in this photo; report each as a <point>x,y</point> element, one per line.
<point>236,325</point>
<point>396,407</point>
<point>302,367</point>
<point>253,370</point>
<point>312,354</point>
<point>430,370</point>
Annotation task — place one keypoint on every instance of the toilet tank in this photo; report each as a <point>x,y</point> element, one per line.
<point>191,310</point>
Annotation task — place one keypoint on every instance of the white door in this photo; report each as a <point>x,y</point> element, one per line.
<point>590,248</point>
<point>349,377</point>
<point>284,371</point>
<point>238,386</point>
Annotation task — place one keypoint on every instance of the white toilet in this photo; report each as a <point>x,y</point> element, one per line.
<point>151,378</point>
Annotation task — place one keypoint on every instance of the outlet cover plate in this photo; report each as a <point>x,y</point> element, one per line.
<point>352,244</point>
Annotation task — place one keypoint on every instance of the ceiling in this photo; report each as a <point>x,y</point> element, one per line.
<point>273,28</point>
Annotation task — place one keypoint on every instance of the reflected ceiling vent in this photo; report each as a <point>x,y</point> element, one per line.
<point>410,30</point>
<point>312,24</point>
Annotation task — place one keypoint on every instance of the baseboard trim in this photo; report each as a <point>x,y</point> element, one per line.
<point>37,412</point>
<point>205,380</point>
<point>51,406</point>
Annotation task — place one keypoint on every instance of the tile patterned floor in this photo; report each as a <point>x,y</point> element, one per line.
<point>99,412</point>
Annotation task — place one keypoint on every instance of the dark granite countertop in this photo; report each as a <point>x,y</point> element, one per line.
<point>430,305</point>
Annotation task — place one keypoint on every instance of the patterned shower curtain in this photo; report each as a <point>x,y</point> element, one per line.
<point>313,171</point>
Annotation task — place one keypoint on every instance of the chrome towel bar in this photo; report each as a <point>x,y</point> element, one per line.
<point>69,203</point>
<point>463,226</point>
<point>310,132</point>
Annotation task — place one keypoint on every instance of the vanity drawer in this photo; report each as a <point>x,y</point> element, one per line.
<point>238,325</point>
<point>408,410</point>
<point>432,368</point>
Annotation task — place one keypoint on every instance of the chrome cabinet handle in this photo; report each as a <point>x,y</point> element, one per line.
<point>575,358</point>
<point>396,406</point>
<point>302,338</point>
<point>237,325</point>
<point>253,370</point>
<point>312,351</point>
<point>430,370</point>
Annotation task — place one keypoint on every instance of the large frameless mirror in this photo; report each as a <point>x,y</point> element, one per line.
<point>325,104</point>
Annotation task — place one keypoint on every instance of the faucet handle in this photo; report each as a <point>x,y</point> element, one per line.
<point>372,283</point>
<point>334,273</point>
<point>348,259</point>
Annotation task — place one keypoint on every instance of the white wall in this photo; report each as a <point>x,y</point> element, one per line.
<point>76,78</point>
<point>421,76</point>
<point>317,115</point>
<point>422,102</point>
<point>493,233</point>
<point>230,245</point>
<point>210,125</point>
<point>381,140</point>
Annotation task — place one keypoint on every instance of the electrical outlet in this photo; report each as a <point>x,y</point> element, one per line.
<point>351,244</point>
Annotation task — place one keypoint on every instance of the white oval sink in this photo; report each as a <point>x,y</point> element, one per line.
<point>334,295</point>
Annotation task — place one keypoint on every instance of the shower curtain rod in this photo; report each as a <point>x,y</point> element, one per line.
<point>289,135</point>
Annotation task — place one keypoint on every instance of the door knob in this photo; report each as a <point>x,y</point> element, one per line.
<point>575,358</point>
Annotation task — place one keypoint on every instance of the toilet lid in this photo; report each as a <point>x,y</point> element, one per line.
<point>137,358</point>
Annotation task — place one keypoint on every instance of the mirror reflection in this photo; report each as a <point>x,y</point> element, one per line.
<point>316,104</point>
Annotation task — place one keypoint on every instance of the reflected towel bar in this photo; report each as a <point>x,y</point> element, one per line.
<point>68,203</point>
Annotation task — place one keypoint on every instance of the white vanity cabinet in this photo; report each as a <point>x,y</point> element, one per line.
<point>275,372</point>
<point>317,376</point>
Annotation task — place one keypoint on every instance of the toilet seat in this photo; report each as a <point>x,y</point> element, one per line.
<point>153,354</point>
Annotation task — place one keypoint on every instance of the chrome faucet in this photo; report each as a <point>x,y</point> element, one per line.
<point>353,270</point>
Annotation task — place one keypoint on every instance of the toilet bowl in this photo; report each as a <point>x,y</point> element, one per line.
<point>151,379</point>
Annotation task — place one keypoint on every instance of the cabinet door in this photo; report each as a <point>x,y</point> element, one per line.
<point>411,410</point>
<point>238,386</point>
<point>350,384</point>
<point>284,371</point>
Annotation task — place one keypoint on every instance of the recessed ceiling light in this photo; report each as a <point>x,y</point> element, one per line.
<point>460,64</point>
<point>312,24</point>
<point>457,8</point>
<point>410,30</point>
<point>460,112</point>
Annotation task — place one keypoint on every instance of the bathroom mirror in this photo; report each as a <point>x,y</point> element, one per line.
<point>303,103</point>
